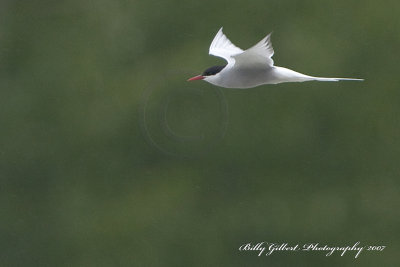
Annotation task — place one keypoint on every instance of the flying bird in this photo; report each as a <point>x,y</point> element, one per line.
<point>252,67</point>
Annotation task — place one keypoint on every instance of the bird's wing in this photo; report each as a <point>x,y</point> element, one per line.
<point>222,47</point>
<point>258,55</point>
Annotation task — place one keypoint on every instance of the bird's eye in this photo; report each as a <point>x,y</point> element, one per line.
<point>213,70</point>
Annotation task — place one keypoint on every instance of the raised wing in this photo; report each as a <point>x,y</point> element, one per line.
<point>222,47</point>
<point>258,55</point>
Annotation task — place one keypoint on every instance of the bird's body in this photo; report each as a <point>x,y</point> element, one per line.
<point>250,68</point>
<point>233,77</point>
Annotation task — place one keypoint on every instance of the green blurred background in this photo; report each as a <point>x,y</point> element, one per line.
<point>108,157</point>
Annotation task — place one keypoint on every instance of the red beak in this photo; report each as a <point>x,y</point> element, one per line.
<point>198,77</point>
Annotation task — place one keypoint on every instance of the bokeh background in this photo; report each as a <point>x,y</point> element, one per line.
<point>108,157</point>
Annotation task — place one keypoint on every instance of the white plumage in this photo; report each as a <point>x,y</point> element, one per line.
<point>251,67</point>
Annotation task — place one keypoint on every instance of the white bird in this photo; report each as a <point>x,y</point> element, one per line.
<point>252,67</point>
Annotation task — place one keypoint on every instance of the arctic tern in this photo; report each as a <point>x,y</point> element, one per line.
<point>251,67</point>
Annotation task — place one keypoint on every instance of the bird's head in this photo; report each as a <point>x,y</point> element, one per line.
<point>208,73</point>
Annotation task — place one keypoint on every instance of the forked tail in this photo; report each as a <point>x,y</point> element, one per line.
<point>287,75</point>
<point>321,79</point>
